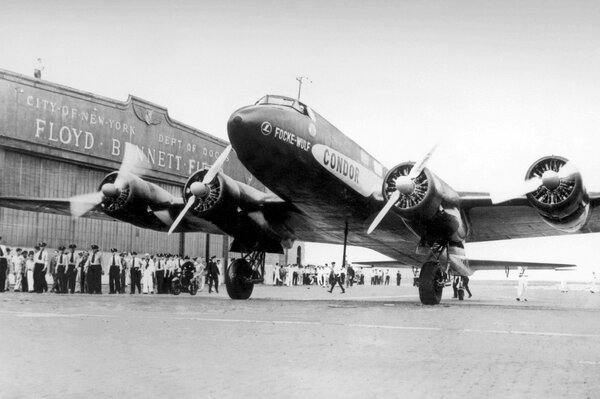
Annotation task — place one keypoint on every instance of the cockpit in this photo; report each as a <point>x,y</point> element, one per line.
<point>288,102</point>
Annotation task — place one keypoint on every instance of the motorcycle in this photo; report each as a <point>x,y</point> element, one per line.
<point>185,280</point>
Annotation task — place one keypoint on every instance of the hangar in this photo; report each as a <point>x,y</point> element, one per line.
<point>56,141</point>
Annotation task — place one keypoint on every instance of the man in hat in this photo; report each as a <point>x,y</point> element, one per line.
<point>135,273</point>
<point>61,270</point>
<point>114,272</point>
<point>123,272</point>
<point>72,260</point>
<point>336,279</point>
<point>39,268</point>
<point>94,272</point>
<point>212,272</point>
<point>160,273</point>
<point>148,275</point>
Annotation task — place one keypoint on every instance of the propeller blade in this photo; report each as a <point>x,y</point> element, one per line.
<point>393,199</point>
<point>526,187</point>
<point>214,169</point>
<point>82,204</point>
<point>134,162</point>
<point>568,171</point>
<point>182,213</point>
<point>419,166</point>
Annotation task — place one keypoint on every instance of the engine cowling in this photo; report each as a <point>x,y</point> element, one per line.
<point>220,195</point>
<point>421,196</point>
<point>129,197</point>
<point>561,201</point>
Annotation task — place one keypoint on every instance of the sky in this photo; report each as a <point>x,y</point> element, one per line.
<point>495,84</point>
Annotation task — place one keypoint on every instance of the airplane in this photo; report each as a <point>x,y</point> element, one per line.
<point>323,187</point>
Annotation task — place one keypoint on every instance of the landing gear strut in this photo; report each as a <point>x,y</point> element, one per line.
<point>241,274</point>
<point>433,278</point>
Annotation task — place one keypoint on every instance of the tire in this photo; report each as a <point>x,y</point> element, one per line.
<point>236,272</point>
<point>461,295</point>
<point>430,292</point>
<point>176,287</point>
<point>193,287</point>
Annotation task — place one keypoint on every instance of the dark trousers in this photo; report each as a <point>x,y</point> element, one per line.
<point>114,279</point>
<point>61,279</point>
<point>160,281</point>
<point>136,277</point>
<point>24,284</point>
<point>94,279</point>
<point>167,283</point>
<point>83,282</point>
<point>71,277</point>
<point>337,280</point>
<point>3,270</point>
<point>123,276</point>
<point>38,276</point>
<point>213,280</point>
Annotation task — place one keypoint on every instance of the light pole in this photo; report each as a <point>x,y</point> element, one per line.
<point>301,79</point>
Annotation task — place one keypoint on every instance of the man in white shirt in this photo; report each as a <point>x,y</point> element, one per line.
<point>148,271</point>
<point>39,269</point>
<point>522,288</point>
<point>135,271</point>
<point>337,272</point>
<point>72,262</point>
<point>61,270</point>
<point>114,272</point>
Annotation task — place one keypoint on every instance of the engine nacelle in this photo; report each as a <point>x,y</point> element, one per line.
<point>425,197</point>
<point>562,200</point>
<point>221,196</point>
<point>129,197</point>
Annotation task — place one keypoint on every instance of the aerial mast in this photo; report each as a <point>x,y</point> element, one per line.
<point>300,80</point>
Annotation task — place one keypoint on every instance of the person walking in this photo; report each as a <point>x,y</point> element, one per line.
<point>336,277</point>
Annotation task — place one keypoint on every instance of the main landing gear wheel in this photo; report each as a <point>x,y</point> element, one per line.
<point>431,283</point>
<point>236,279</point>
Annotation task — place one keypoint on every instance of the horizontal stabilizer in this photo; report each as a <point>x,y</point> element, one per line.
<point>478,264</point>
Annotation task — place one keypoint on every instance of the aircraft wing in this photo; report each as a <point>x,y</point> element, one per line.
<point>478,264</point>
<point>57,206</point>
<point>513,219</point>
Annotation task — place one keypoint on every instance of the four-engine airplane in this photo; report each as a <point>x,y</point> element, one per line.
<point>325,188</point>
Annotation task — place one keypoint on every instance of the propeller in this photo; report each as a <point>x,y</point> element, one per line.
<point>550,179</point>
<point>134,163</point>
<point>201,189</point>
<point>404,186</point>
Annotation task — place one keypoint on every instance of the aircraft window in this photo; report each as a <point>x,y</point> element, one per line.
<point>364,158</point>
<point>378,168</point>
<point>285,102</point>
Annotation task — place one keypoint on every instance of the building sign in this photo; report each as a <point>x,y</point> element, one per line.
<point>49,115</point>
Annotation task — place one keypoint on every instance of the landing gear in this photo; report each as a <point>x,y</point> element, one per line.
<point>431,283</point>
<point>242,273</point>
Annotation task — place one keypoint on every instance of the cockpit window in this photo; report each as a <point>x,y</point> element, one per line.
<point>286,102</point>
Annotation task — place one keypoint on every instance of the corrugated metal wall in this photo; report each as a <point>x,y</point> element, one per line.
<point>29,175</point>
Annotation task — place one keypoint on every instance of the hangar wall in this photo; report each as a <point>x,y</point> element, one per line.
<point>56,141</point>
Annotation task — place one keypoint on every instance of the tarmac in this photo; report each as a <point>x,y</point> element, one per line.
<point>303,342</point>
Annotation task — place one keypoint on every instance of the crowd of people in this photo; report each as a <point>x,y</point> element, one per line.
<point>80,271</point>
<point>327,275</point>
